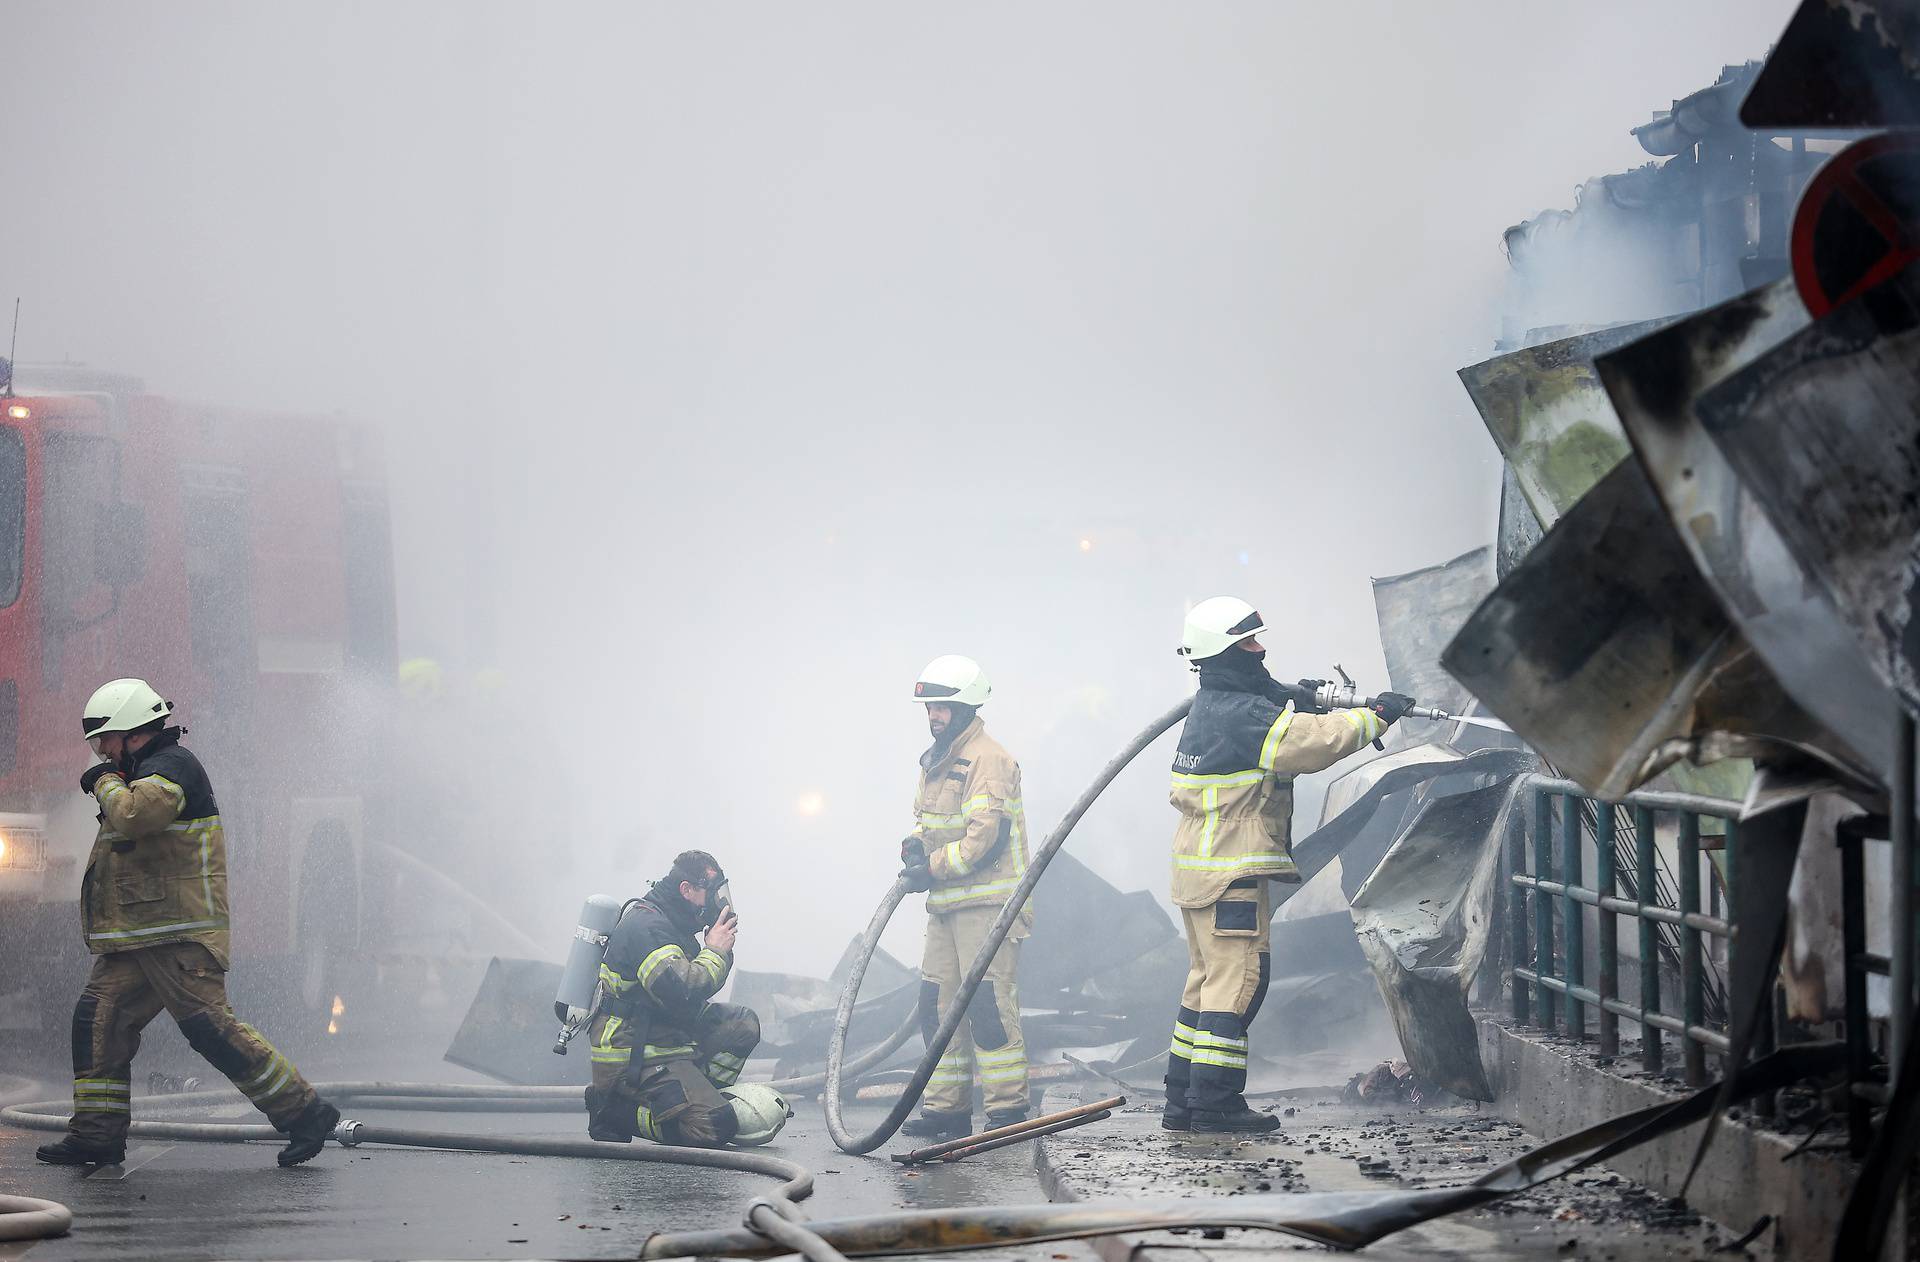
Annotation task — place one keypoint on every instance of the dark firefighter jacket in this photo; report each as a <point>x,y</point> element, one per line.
<point>656,974</point>
<point>158,870</point>
<point>1233,783</point>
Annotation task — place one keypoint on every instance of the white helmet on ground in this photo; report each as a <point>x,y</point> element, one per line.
<point>954,679</point>
<point>1216,624</point>
<point>760,1111</point>
<point>122,705</point>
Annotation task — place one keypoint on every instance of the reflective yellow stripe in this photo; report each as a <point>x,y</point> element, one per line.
<point>179,927</point>
<point>1200,1038</point>
<point>655,960</point>
<point>178,793</point>
<point>1225,1060</point>
<point>1270,749</point>
<point>1366,723</point>
<point>1228,863</point>
<point>120,1085</point>
<point>651,1052</point>
<point>612,1055</point>
<point>956,860</point>
<point>940,897</point>
<point>1225,780</point>
<point>715,966</point>
<point>615,984</point>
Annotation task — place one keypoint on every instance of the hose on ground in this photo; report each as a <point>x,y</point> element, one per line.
<point>45,1218</point>
<point>958,1004</point>
<point>30,1218</point>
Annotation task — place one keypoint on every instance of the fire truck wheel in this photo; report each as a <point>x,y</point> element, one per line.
<point>328,928</point>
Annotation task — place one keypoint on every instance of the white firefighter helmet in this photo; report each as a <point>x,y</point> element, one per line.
<point>121,705</point>
<point>1216,624</point>
<point>954,679</point>
<point>760,1111</point>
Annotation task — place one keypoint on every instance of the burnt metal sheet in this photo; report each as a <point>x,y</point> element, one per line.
<point>1769,850</point>
<point>1549,417</point>
<point>1825,432</point>
<point>1422,919</point>
<point>1518,529</point>
<point>1653,384</point>
<point>1418,613</point>
<point>1083,925</point>
<point>1608,655</point>
<point>1841,64</point>
<point>1353,799</point>
<point>508,1030</point>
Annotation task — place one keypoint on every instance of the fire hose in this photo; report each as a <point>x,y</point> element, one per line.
<point>775,1216</point>
<point>958,1004</point>
<point>1347,1220</point>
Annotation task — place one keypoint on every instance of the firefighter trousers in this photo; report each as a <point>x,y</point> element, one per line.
<point>664,1084</point>
<point>1228,967</point>
<point>989,1040</point>
<point>126,990</point>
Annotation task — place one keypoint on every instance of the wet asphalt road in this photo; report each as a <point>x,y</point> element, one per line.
<point>200,1200</point>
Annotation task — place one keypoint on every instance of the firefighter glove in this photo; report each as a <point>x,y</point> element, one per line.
<point>91,776</point>
<point>1392,706</point>
<point>1307,696</point>
<point>919,877</point>
<point>913,852</point>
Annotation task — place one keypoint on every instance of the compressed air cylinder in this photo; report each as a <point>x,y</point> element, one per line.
<point>598,916</point>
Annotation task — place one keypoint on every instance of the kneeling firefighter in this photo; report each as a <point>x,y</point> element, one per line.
<point>665,1058</point>
<point>153,905</point>
<point>968,852</point>
<point>1246,738</point>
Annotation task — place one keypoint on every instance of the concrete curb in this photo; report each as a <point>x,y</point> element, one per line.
<point>1117,1248</point>
<point>1552,1086</point>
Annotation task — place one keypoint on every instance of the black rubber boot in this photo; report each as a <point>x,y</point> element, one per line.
<point>1176,1117</point>
<point>307,1134</point>
<point>939,1126</point>
<point>1243,1121</point>
<point>1004,1117</point>
<point>70,1152</point>
<point>600,1126</point>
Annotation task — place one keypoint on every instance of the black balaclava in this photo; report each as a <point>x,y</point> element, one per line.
<point>1238,670</point>
<point>962,717</point>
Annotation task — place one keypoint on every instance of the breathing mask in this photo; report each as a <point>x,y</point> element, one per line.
<point>719,901</point>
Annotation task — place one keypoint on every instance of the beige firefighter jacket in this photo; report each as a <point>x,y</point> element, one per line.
<point>1233,784</point>
<point>969,817</point>
<point>158,869</point>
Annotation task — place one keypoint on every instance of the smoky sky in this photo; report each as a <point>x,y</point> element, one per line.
<point>735,360</point>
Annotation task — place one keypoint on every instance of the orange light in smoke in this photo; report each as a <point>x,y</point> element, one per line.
<point>339,1008</point>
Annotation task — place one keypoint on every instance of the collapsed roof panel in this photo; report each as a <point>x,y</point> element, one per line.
<point>1824,431</point>
<point>1550,417</point>
<point>1607,654</point>
<point>1653,383</point>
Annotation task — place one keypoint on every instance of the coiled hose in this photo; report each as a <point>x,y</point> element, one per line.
<point>957,1007</point>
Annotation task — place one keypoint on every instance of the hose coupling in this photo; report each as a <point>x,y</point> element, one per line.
<point>760,1203</point>
<point>347,1132</point>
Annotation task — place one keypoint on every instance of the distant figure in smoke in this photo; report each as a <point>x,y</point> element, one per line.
<point>1246,739</point>
<point>154,910</point>
<point>967,851</point>
<point>664,1057</point>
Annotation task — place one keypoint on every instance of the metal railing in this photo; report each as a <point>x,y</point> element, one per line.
<point>1554,993</point>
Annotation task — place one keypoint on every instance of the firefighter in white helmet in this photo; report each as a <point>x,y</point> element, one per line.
<point>968,850</point>
<point>1246,738</point>
<point>153,906</point>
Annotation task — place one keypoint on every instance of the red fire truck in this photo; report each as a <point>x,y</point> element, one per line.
<point>242,563</point>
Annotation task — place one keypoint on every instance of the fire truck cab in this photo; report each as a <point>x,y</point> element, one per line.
<point>240,562</point>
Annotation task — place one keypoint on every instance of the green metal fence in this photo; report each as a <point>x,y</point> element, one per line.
<point>1630,880</point>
